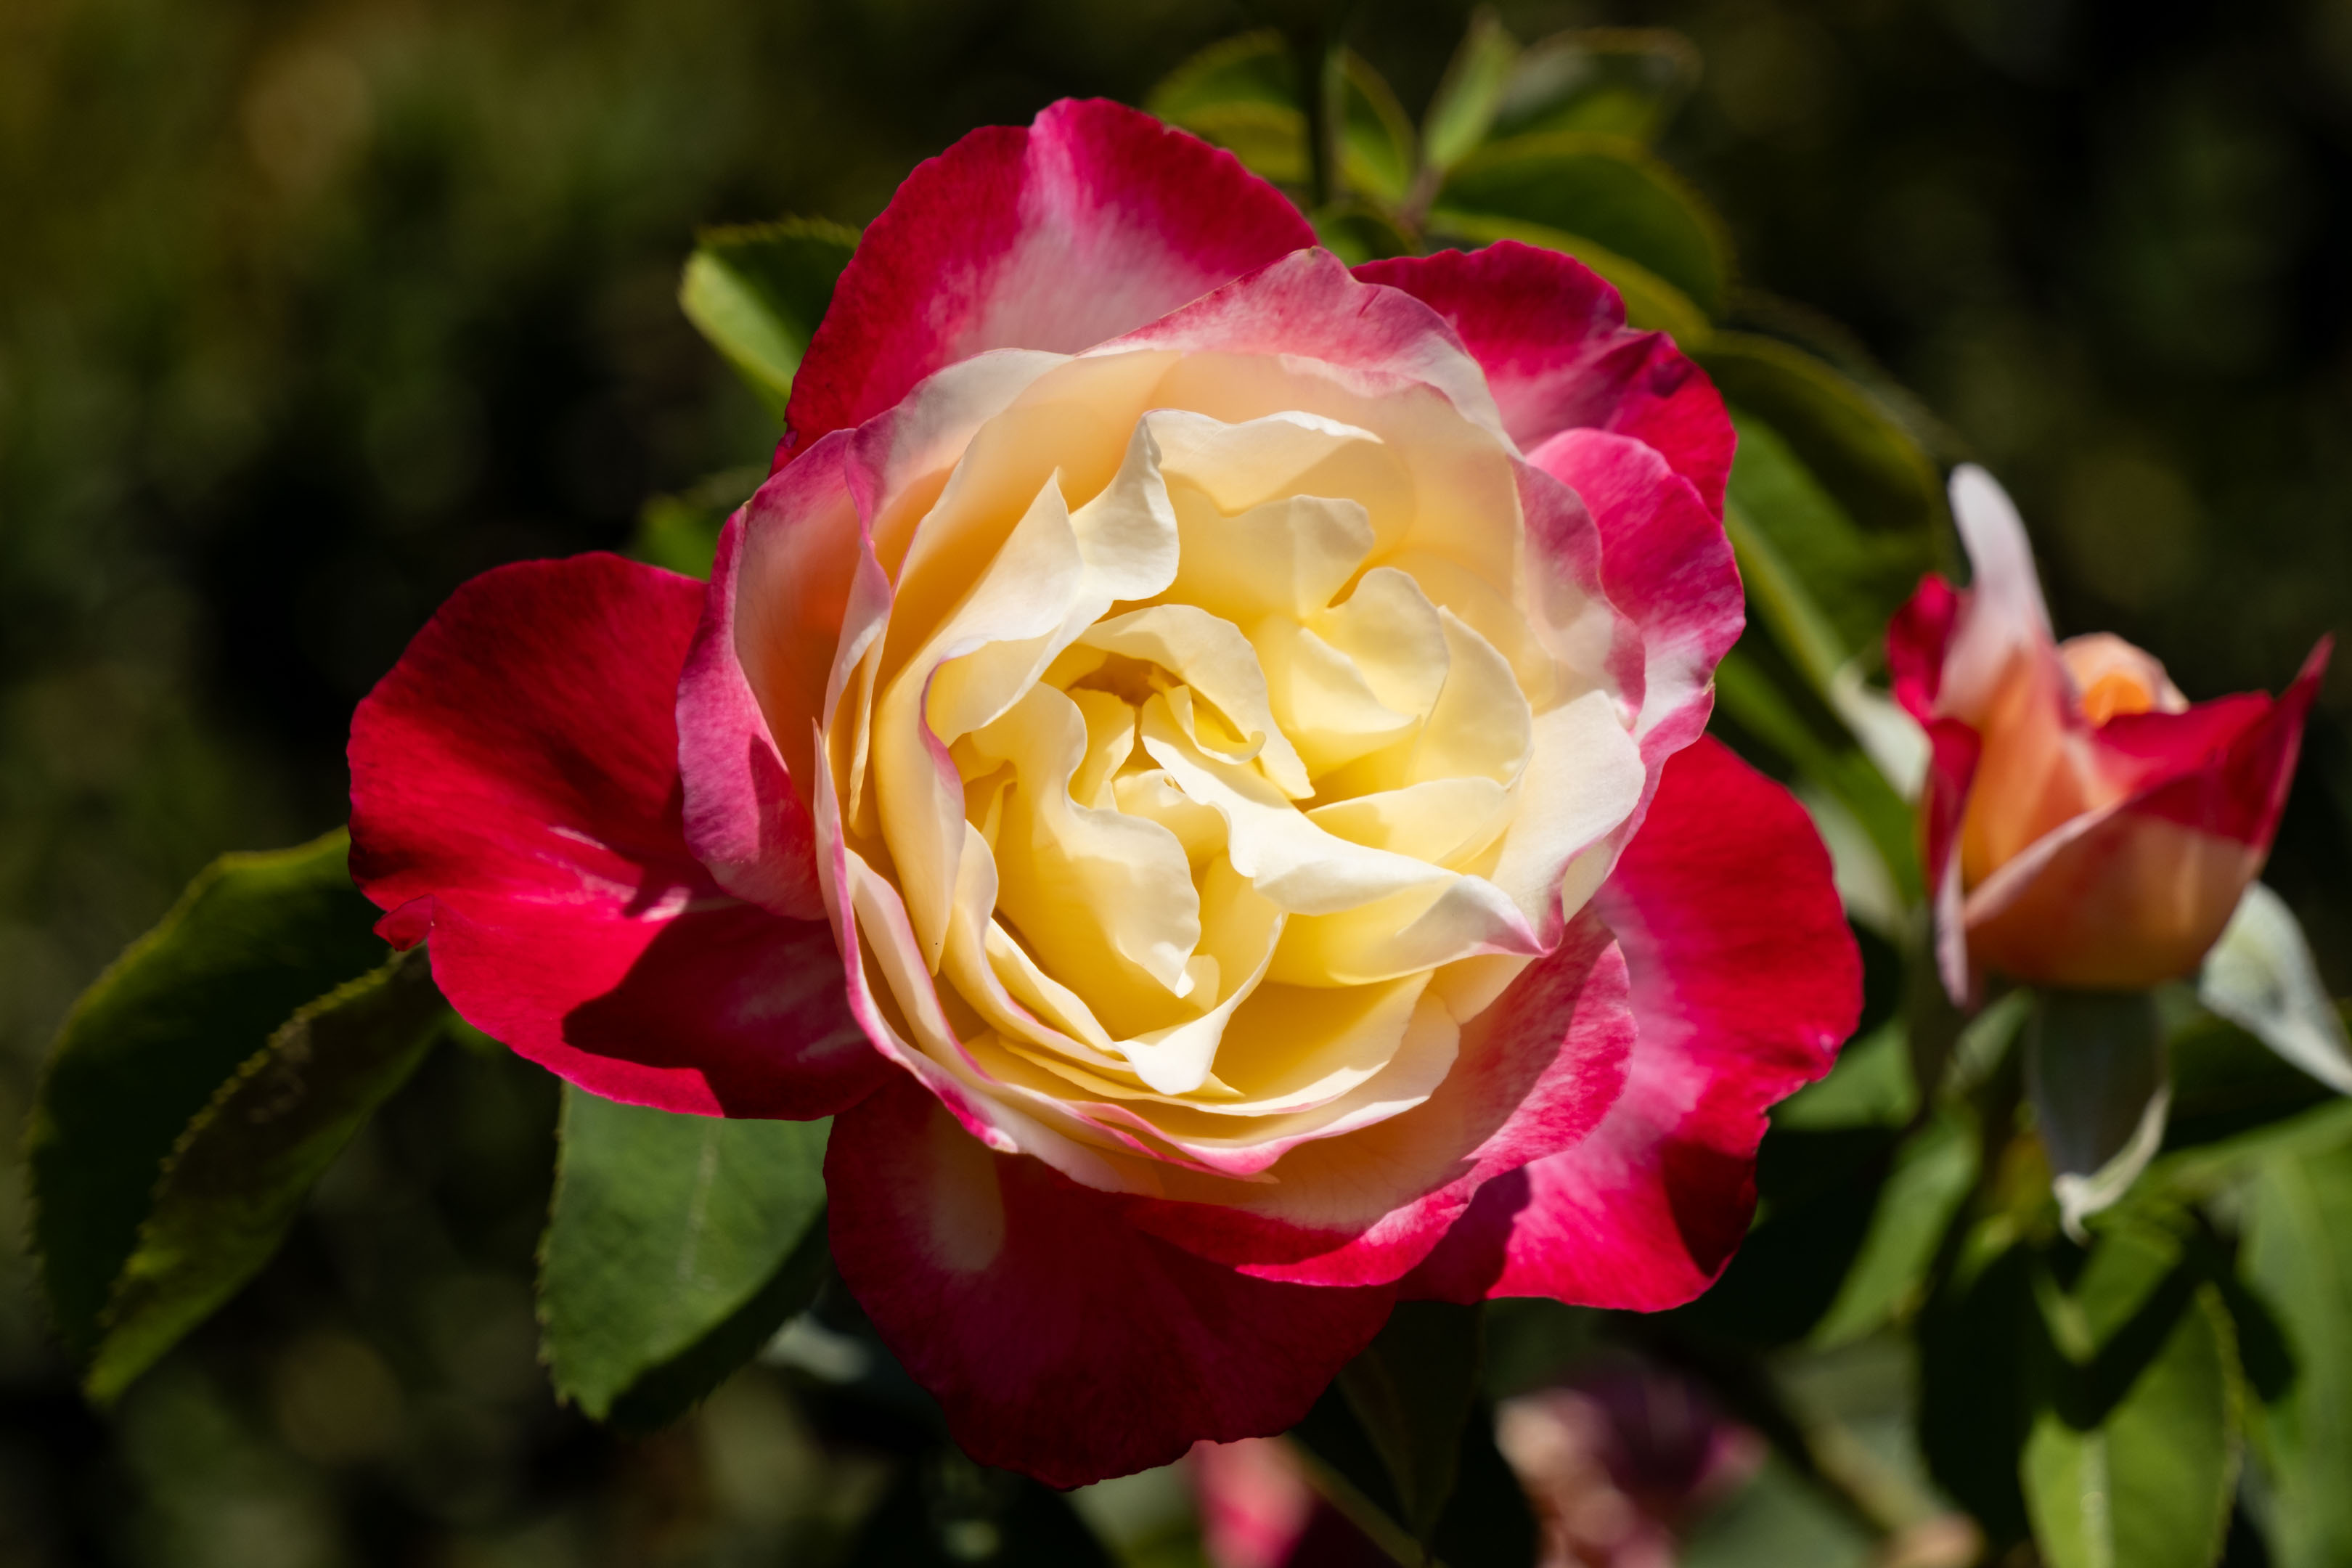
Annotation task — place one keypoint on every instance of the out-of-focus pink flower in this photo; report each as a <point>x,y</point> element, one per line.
<point>1258,1510</point>
<point>1621,1462</point>
<point>2087,824</point>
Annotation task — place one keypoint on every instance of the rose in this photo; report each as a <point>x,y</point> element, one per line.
<point>1194,758</point>
<point>2086,826</point>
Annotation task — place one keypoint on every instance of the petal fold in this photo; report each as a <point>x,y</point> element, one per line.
<point>516,802</point>
<point>1091,221</point>
<point>1745,980</point>
<point>1552,337</point>
<point>1533,1074</point>
<point>1060,1339</point>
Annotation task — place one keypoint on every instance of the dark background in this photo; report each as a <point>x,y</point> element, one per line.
<point>310,311</point>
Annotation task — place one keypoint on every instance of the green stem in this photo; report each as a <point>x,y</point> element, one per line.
<point>1315,55</point>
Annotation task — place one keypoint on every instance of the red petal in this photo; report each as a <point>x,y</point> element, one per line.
<point>1061,1341</point>
<point>1093,221</point>
<point>1745,980</point>
<point>2241,795</point>
<point>1553,339</point>
<point>515,791</point>
<point>1953,752</point>
<point>2156,745</point>
<point>1917,640</point>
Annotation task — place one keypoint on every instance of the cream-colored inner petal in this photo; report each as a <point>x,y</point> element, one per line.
<point>1198,733</point>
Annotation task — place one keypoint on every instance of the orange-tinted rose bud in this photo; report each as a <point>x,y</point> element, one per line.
<point>2087,825</point>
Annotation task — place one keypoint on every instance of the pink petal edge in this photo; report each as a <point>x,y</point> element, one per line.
<point>1090,222</point>
<point>1060,1339</point>
<point>1538,1070</point>
<point>1552,335</point>
<point>515,800</point>
<point>1745,981</point>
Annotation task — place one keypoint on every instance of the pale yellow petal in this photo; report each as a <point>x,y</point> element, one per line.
<point>1154,796</point>
<point>1238,465</point>
<point>1291,1047</point>
<point>1583,778</point>
<point>1297,865</point>
<point>1404,933</point>
<point>1110,739</point>
<point>1024,595</point>
<point>1479,726</point>
<point>1103,898</point>
<point>1330,713</point>
<point>1288,557</point>
<point>1440,821</point>
<point>1393,633</point>
<point>1210,656</point>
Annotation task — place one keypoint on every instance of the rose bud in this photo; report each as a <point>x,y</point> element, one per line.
<point>2087,825</point>
<point>1194,760</point>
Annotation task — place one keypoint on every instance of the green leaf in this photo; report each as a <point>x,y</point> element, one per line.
<point>2226,1083</point>
<point>1411,1391</point>
<point>2095,1067</point>
<point>1243,94</point>
<point>758,291</point>
<point>676,1246</point>
<point>1817,1189</point>
<point>677,535</point>
<point>1979,1336</point>
<point>1779,1520</point>
<point>942,1510</point>
<point>242,1170</point>
<point>1379,154</point>
<point>2148,1482</point>
<point>1607,189</point>
<point>1404,1445</point>
<point>1750,700</point>
<point>2221,1167</point>
<point>1834,584</point>
<point>2261,976</point>
<point>2297,1255</point>
<point>1617,82</point>
<point>146,1048</point>
<point>1871,1085</point>
<point>1858,450</point>
<point>680,532</point>
<point>1823,589</point>
<point>1358,232</point>
<point>1933,1172</point>
<point>1472,92</point>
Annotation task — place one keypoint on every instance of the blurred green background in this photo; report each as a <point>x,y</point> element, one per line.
<point>310,311</point>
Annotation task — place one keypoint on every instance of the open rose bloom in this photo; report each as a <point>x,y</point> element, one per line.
<point>2087,825</point>
<point>1194,759</point>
